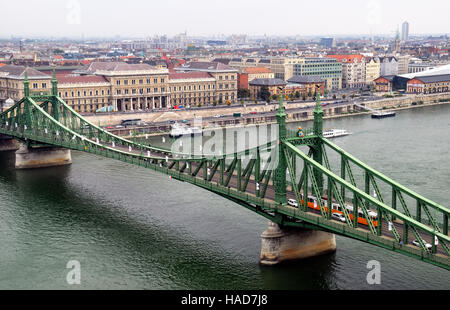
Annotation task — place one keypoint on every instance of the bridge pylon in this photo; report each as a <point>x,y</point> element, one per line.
<point>280,171</point>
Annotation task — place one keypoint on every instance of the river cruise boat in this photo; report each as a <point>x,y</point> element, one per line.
<point>382,114</point>
<point>335,133</point>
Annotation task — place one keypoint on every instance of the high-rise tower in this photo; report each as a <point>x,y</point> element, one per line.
<point>405,31</point>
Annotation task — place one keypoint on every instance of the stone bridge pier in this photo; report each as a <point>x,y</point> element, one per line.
<point>8,144</point>
<point>288,244</point>
<point>41,157</point>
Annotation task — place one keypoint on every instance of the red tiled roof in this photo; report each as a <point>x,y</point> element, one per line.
<point>347,58</point>
<point>81,79</point>
<point>256,70</point>
<point>189,75</point>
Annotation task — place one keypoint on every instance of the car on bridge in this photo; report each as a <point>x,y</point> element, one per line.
<point>427,245</point>
<point>338,217</point>
<point>293,203</point>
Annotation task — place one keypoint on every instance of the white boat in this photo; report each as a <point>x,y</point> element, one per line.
<point>334,133</point>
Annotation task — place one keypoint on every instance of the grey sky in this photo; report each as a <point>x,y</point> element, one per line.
<point>139,18</point>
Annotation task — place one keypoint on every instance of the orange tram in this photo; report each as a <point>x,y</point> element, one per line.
<point>336,209</point>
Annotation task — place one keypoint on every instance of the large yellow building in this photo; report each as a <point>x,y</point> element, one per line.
<point>12,78</point>
<point>127,87</point>
<point>85,93</point>
<point>226,77</point>
<point>192,88</point>
<point>134,86</point>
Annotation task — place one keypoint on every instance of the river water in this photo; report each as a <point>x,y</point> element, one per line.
<point>131,228</point>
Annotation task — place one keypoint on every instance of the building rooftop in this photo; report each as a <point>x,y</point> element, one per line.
<point>90,79</point>
<point>434,78</point>
<point>443,70</point>
<point>267,82</point>
<point>189,75</point>
<point>18,72</point>
<point>305,79</point>
<point>205,66</point>
<point>118,67</point>
<point>346,58</point>
<point>390,78</point>
<point>257,70</point>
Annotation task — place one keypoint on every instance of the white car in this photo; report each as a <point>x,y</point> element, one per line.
<point>339,217</point>
<point>217,116</point>
<point>292,203</point>
<point>427,245</point>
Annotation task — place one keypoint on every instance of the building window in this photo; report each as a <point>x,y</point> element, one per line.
<point>35,85</point>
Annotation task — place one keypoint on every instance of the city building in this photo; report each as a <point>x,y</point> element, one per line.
<point>251,73</point>
<point>384,84</point>
<point>353,70</point>
<point>388,66</point>
<point>429,84</point>
<point>419,67</point>
<point>273,86</point>
<point>226,78</point>
<point>372,70</point>
<point>405,31</point>
<point>12,78</point>
<point>283,67</point>
<point>329,69</point>
<point>133,86</point>
<point>328,42</point>
<point>192,88</point>
<point>85,94</point>
<point>403,64</point>
<point>309,83</point>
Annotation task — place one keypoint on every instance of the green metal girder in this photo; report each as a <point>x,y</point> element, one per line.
<point>384,207</point>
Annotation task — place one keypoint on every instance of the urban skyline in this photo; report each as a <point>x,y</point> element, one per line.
<point>80,18</point>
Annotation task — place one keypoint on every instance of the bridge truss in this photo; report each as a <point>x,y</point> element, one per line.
<point>392,218</point>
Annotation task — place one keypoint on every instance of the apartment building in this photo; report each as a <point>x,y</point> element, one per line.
<point>353,70</point>
<point>328,69</point>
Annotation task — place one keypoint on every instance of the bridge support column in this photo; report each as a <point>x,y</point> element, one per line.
<point>8,145</point>
<point>31,158</point>
<point>287,244</point>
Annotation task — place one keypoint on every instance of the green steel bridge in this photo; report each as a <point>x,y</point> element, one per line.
<point>263,186</point>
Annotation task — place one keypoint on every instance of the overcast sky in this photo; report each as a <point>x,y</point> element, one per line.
<point>143,18</point>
